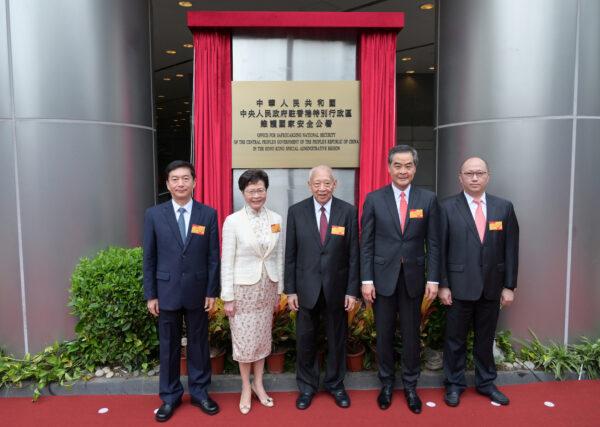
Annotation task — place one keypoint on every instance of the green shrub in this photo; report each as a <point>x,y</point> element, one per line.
<point>114,325</point>
<point>588,357</point>
<point>504,343</point>
<point>57,363</point>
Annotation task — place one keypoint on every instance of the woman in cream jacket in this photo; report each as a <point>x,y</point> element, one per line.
<point>251,279</point>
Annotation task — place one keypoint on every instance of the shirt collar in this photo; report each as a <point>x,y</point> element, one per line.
<point>187,206</point>
<point>397,192</point>
<point>252,212</point>
<point>470,199</point>
<point>327,206</point>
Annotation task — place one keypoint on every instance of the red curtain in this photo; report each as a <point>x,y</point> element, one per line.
<point>377,74</point>
<point>212,120</point>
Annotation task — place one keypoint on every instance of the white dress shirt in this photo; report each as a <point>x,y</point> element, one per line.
<point>397,192</point>
<point>327,207</point>
<point>186,215</point>
<point>473,205</point>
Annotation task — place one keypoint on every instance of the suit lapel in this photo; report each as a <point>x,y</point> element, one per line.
<point>194,219</point>
<point>465,211</point>
<point>247,228</point>
<point>390,201</point>
<point>169,214</point>
<point>413,202</point>
<point>334,219</point>
<point>309,211</point>
<point>491,209</point>
<point>272,236</point>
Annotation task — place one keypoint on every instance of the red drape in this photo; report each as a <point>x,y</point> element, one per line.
<point>377,73</point>
<point>212,120</point>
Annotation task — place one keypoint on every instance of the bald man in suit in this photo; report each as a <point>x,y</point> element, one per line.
<point>480,258</point>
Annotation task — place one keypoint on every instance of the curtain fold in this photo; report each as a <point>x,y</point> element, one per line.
<point>212,120</point>
<point>377,74</point>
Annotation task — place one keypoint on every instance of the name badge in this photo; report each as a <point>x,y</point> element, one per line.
<point>275,228</point>
<point>338,230</point>
<point>495,225</point>
<point>416,213</point>
<point>198,229</point>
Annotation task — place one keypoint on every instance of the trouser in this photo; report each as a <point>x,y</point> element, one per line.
<point>307,365</point>
<point>386,309</point>
<point>198,356</point>
<point>483,316</point>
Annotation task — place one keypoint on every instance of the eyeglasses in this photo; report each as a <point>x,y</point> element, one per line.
<point>257,192</point>
<point>478,174</point>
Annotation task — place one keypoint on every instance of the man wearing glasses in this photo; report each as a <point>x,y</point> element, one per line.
<point>480,256</point>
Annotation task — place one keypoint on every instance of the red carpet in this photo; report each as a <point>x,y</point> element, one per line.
<point>577,403</point>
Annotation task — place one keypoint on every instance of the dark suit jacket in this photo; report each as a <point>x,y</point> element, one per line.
<point>384,249</point>
<point>310,266</point>
<point>180,274</point>
<point>470,268</point>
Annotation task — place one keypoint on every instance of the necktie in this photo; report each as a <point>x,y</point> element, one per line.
<point>323,225</point>
<point>403,209</point>
<point>181,223</point>
<point>479,219</point>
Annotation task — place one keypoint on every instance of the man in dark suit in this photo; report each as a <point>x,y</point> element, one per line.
<point>480,257</point>
<point>181,280</point>
<point>398,221</point>
<point>321,280</point>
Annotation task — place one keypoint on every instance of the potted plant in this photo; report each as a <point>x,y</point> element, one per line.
<point>370,337</point>
<point>282,332</point>
<point>433,315</point>
<point>357,335</point>
<point>183,371</point>
<point>218,337</point>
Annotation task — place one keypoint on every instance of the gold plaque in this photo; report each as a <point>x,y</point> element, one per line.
<point>295,124</point>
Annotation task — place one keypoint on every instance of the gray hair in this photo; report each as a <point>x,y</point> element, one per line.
<point>320,167</point>
<point>403,148</point>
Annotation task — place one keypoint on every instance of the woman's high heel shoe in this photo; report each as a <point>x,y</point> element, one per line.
<point>244,409</point>
<point>268,401</point>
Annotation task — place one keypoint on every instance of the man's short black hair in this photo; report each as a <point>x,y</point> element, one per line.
<point>252,176</point>
<point>176,164</point>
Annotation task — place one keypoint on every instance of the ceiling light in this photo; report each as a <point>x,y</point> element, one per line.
<point>186,102</point>
<point>159,108</point>
<point>185,3</point>
<point>426,6</point>
<point>187,111</point>
<point>161,96</point>
<point>167,79</point>
<point>410,72</point>
<point>180,112</point>
<point>170,52</point>
<point>188,45</point>
<point>179,75</point>
<point>406,58</point>
<point>175,120</point>
<point>432,68</point>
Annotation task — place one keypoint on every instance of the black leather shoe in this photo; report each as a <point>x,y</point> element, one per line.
<point>341,398</point>
<point>413,400</point>
<point>452,398</point>
<point>208,406</point>
<point>495,395</point>
<point>304,400</point>
<point>384,400</point>
<point>166,411</point>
